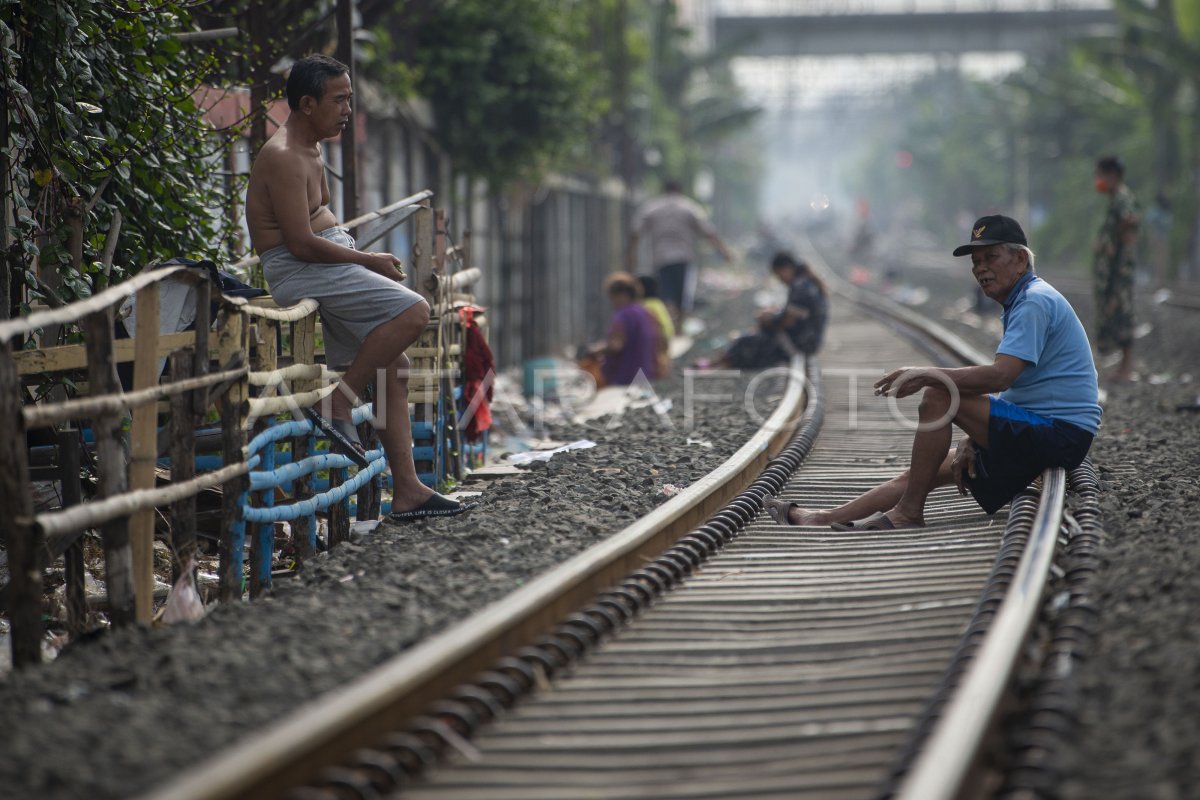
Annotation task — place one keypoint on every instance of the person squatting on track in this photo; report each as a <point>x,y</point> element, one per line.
<point>368,317</point>
<point>1113,266</point>
<point>673,222</point>
<point>1045,415</point>
<point>798,327</point>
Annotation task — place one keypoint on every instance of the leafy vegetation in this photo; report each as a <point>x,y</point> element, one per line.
<point>1030,143</point>
<point>98,116</point>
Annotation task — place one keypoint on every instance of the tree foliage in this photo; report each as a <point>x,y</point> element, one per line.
<point>98,115</point>
<point>979,147</point>
<point>510,81</point>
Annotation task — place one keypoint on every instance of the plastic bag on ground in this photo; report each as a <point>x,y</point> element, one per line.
<point>183,601</point>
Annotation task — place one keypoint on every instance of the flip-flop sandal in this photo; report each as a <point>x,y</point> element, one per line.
<point>879,521</point>
<point>342,435</point>
<point>778,511</point>
<point>435,506</point>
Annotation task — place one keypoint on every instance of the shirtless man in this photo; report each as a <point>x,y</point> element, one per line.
<point>368,317</point>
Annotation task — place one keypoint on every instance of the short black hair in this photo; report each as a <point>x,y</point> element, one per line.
<point>673,185</point>
<point>785,259</point>
<point>649,285</point>
<point>623,283</point>
<point>1112,165</point>
<point>309,76</point>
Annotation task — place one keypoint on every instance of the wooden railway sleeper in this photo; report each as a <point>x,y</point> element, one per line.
<point>500,685</point>
<point>564,649</point>
<point>638,587</point>
<point>410,752</point>
<point>512,666</point>
<point>539,659</point>
<point>621,596</point>
<point>657,579</point>
<point>382,770</point>
<point>581,628</point>
<point>708,541</point>
<point>602,615</point>
<point>484,703</point>
<point>347,784</point>
<point>581,641</point>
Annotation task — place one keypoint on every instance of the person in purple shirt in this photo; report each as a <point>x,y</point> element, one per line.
<point>632,345</point>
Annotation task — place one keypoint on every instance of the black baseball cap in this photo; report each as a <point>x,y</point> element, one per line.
<point>994,229</point>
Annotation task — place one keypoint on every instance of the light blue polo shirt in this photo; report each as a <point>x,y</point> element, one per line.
<point>1059,379</point>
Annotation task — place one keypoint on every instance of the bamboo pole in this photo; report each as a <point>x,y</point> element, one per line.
<point>303,532</point>
<point>74,312</point>
<point>57,525</point>
<point>84,407</point>
<point>73,566</point>
<point>118,558</point>
<point>183,467</point>
<point>143,450</point>
<point>231,342</point>
<point>304,350</point>
<point>262,535</point>
<point>200,356</point>
<point>16,530</point>
<point>422,252</point>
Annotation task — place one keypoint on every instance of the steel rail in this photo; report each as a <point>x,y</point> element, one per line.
<point>942,768</point>
<point>296,749</point>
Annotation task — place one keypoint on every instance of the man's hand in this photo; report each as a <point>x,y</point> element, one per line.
<point>385,264</point>
<point>963,464</point>
<point>903,382</point>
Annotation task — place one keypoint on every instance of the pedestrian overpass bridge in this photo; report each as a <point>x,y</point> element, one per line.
<point>941,32</point>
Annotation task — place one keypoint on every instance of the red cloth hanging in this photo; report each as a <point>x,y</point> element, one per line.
<point>479,366</point>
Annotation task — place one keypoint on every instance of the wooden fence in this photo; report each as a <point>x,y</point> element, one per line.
<point>254,380</point>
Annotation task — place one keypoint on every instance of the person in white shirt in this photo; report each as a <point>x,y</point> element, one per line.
<point>673,223</point>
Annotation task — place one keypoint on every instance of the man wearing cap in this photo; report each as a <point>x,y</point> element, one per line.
<point>1034,407</point>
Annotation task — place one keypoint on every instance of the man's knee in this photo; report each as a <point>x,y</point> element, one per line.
<point>418,315</point>
<point>935,401</point>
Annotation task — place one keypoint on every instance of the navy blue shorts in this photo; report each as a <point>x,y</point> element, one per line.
<point>677,285</point>
<point>1021,445</point>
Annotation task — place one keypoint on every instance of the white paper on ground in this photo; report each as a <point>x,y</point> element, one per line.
<point>530,456</point>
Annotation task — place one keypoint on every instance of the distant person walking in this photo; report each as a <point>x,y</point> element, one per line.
<point>1113,266</point>
<point>673,223</point>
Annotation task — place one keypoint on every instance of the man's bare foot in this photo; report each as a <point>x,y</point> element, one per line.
<point>901,520</point>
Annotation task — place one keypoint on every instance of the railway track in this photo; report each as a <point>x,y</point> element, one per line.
<point>706,652</point>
